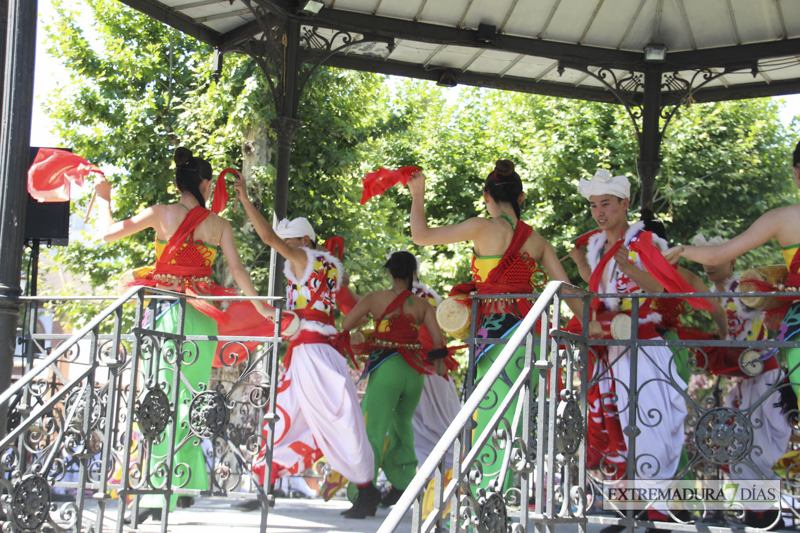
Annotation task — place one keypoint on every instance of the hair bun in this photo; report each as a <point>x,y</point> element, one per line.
<point>504,167</point>
<point>182,156</point>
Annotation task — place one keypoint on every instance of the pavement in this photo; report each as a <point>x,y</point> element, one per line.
<point>289,515</point>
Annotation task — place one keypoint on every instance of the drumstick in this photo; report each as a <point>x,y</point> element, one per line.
<point>89,209</point>
<point>563,258</point>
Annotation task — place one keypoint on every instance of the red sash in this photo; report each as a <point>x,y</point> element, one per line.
<point>656,266</point>
<point>493,284</point>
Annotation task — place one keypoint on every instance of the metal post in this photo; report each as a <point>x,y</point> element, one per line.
<point>15,133</point>
<point>649,161</point>
<point>285,125</point>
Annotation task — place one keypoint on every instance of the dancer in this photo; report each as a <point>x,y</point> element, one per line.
<point>395,367</point>
<point>188,237</point>
<point>616,269</point>
<point>317,400</point>
<point>507,258</point>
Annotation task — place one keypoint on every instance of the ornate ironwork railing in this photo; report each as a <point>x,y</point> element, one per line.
<point>114,410</point>
<point>539,434</point>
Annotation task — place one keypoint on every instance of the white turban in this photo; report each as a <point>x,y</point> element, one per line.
<point>604,183</point>
<point>297,228</point>
<point>700,240</point>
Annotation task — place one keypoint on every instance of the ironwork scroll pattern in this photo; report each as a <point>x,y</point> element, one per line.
<point>91,417</point>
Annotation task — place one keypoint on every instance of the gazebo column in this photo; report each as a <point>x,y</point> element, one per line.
<point>649,160</point>
<point>15,134</point>
<point>285,126</point>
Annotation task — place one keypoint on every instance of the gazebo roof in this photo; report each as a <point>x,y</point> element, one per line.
<point>747,48</point>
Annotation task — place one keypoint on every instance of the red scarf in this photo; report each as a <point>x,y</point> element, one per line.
<point>655,264</point>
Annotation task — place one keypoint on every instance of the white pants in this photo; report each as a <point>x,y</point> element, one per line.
<point>438,406</point>
<point>661,408</point>
<point>773,435</point>
<point>320,415</point>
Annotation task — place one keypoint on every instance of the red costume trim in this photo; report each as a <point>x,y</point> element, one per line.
<point>402,330</point>
<point>494,281</point>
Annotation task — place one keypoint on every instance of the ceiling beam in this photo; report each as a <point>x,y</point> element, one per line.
<point>720,57</point>
<point>746,91</point>
<point>435,34</point>
<point>179,21</point>
<point>506,83</point>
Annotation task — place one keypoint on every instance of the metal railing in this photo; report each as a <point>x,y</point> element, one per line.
<point>100,412</point>
<point>544,480</point>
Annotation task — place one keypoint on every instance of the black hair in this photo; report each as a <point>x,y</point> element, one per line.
<point>796,156</point>
<point>651,223</point>
<point>504,185</point>
<point>190,172</point>
<point>402,265</point>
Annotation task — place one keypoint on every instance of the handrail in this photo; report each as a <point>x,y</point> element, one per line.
<point>465,414</point>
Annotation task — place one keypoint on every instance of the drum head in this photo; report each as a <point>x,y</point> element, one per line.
<point>294,325</point>
<point>750,362</point>
<point>621,327</point>
<point>453,317</point>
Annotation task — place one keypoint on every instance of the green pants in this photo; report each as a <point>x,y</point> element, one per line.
<point>392,396</point>
<point>189,465</point>
<point>492,458</point>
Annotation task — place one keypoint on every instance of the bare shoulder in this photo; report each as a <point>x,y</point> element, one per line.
<point>785,220</point>
<point>535,245</point>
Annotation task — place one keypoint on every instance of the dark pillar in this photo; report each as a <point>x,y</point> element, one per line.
<point>285,125</point>
<point>15,134</point>
<point>649,161</point>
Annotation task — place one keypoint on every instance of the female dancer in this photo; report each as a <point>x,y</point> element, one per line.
<point>188,237</point>
<point>396,369</point>
<point>506,259</point>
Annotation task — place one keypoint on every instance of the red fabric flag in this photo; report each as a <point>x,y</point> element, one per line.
<point>583,240</point>
<point>664,273</point>
<point>376,183</point>
<point>221,191</point>
<point>52,172</point>
<point>335,245</point>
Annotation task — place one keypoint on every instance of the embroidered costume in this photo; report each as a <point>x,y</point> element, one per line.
<point>512,273</point>
<point>317,401</point>
<point>660,442</point>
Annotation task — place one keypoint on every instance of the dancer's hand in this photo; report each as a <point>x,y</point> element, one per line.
<point>621,257</point>
<point>673,254</point>
<point>102,188</point>
<point>416,184</point>
<point>265,311</point>
<point>240,186</point>
<point>578,254</point>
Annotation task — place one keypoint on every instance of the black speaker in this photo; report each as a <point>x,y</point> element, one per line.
<point>47,221</point>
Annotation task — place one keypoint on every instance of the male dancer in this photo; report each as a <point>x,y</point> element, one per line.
<point>317,400</point>
<point>772,434</point>
<point>616,260</point>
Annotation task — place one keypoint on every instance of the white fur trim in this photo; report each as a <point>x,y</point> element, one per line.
<point>317,327</point>
<point>594,250</point>
<point>429,291</point>
<point>312,258</point>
